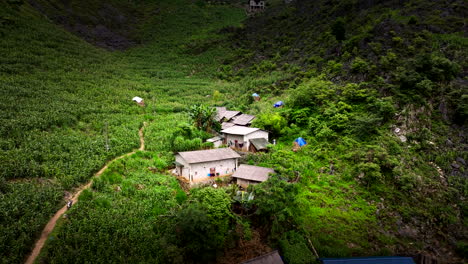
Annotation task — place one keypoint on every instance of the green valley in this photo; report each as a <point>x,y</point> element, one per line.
<point>378,89</point>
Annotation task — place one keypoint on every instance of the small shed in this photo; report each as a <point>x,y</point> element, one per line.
<point>243,119</point>
<point>269,258</point>
<point>200,165</point>
<point>138,100</point>
<point>238,137</point>
<point>217,141</point>
<point>368,260</point>
<point>248,174</point>
<point>258,144</point>
<point>256,96</point>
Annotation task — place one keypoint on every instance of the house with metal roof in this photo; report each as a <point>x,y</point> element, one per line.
<point>248,174</point>
<point>243,120</point>
<point>201,165</point>
<point>238,137</point>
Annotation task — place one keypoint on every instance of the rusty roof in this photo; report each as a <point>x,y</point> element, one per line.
<point>252,173</point>
<point>199,156</point>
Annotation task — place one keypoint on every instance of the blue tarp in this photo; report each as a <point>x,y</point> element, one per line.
<point>300,141</point>
<point>255,95</point>
<point>278,104</point>
<point>368,260</point>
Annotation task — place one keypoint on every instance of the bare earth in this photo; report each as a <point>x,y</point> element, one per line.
<point>53,221</point>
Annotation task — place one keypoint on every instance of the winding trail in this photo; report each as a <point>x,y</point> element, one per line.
<point>53,221</point>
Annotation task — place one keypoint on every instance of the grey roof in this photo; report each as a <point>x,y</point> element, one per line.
<point>243,119</point>
<point>259,143</point>
<point>239,130</point>
<point>214,139</point>
<point>253,173</point>
<point>220,113</point>
<point>226,125</point>
<point>230,114</point>
<point>269,258</point>
<point>208,155</point>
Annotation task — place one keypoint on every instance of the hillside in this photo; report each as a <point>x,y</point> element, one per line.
<point>377,88</point>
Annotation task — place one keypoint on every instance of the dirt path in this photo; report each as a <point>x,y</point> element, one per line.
<point>53,221</point>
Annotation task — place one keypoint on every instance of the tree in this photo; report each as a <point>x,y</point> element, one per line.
<point>203,117</point>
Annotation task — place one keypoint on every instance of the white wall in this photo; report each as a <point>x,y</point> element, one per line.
<point>201,170</point>
<point>198,171</point>
<point>257,134</point>
<point>233,138</point>
<point>245,139</point>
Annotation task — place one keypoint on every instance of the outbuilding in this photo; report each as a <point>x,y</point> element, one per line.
<point>238,137</point>
<point>248,174</point>
<point>200,165</point>
<point>217,141</point>
<point>138,100</point>
<point>258,144</point>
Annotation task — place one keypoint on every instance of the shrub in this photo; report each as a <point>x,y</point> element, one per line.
<point>359,65</point>
<point>294,248</point>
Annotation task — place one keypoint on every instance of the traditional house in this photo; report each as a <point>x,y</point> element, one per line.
<point>200,165</point>
<point>248,174</point>
<point>243,120</point>
<point>256,5</point>
<point>238,137</point>
<point>224,115</point>
<point>226,125</point>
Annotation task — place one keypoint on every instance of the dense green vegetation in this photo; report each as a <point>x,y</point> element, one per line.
<point>62,97</point>
<point>378,90</point>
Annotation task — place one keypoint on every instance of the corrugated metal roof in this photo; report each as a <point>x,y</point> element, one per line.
<point>220,113</point>
<point>243,119</point>
<point>214,139</point>
<point>252,173</point>
<point>230,114</point>
<point>270,258</point>
<point>259,143</point>
<point>226,125</point>
<point>239,130</point>
<point>208,155</point>
<point>368,260</point>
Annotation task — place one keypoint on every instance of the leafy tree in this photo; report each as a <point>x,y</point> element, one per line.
<point>203,117</point>
<point>272,122</point>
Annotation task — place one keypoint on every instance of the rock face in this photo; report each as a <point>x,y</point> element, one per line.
<point>107,27</point>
